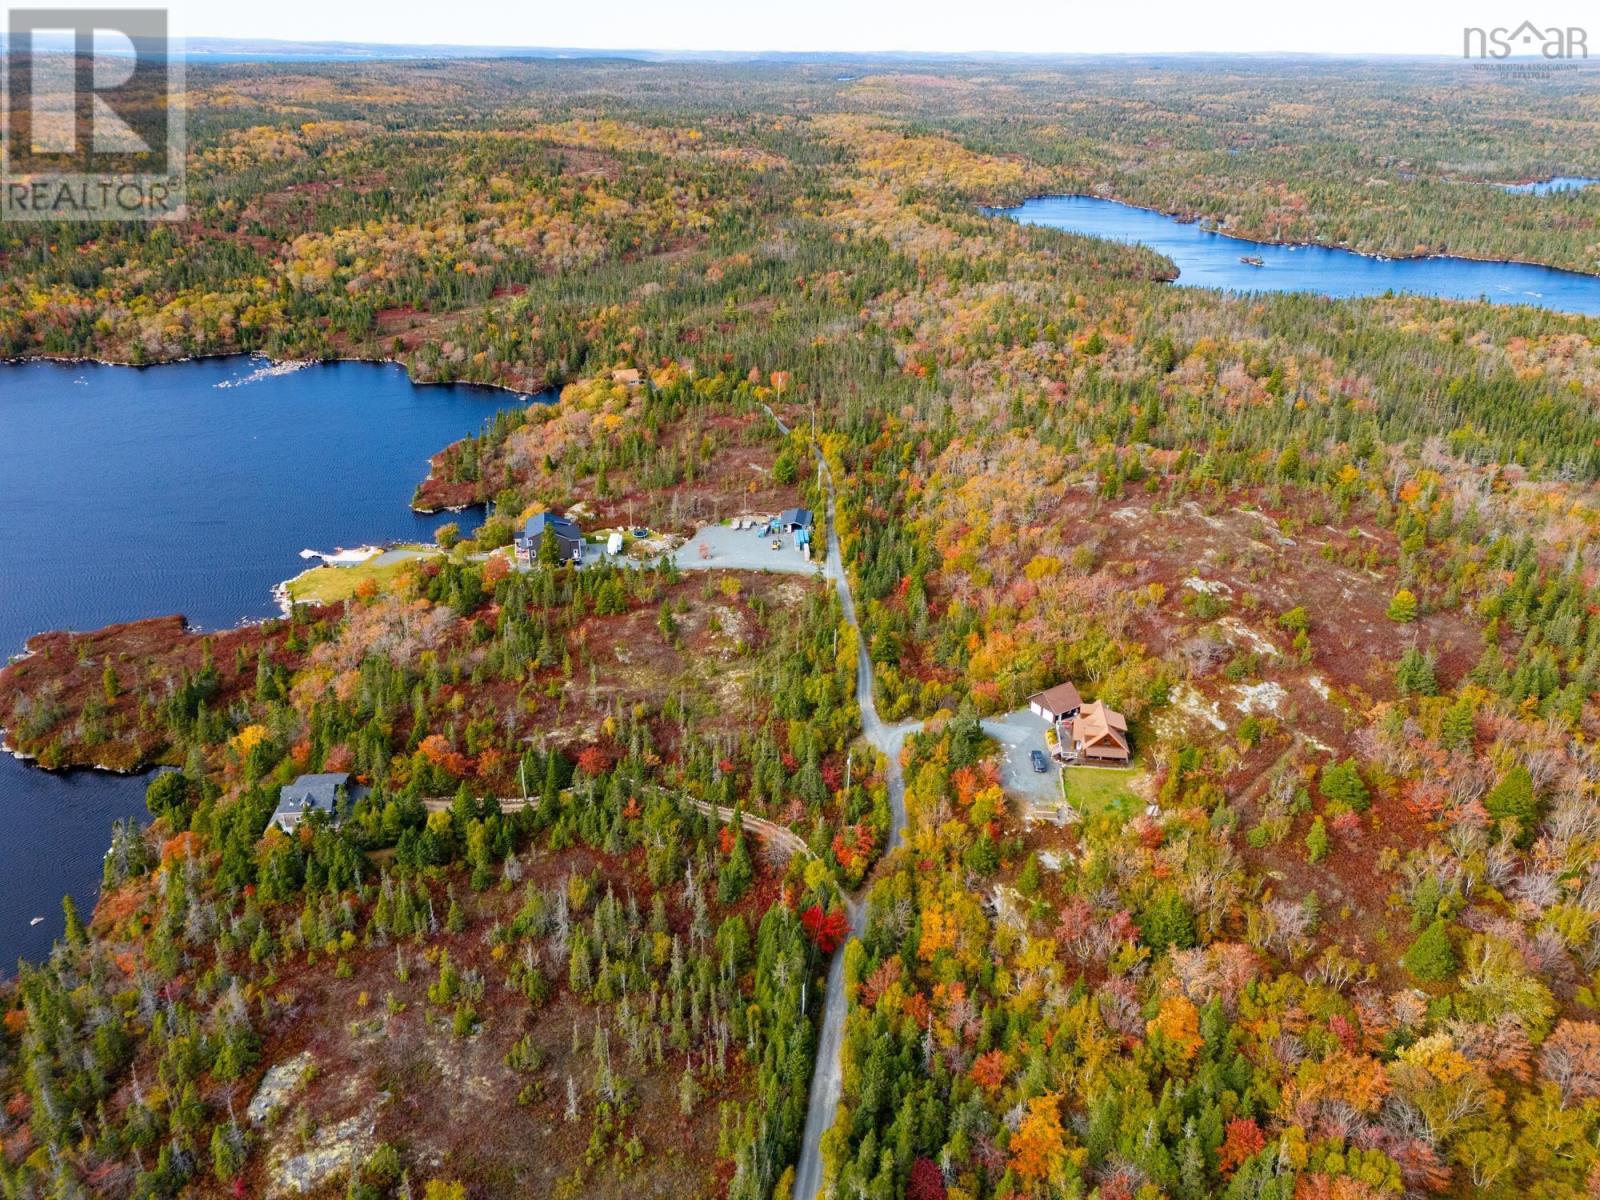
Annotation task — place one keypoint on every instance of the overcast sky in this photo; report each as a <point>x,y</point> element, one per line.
<point>1054,26</point>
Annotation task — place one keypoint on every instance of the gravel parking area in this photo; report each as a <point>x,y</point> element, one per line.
<point>742,550</point>
<point>1018,733</point>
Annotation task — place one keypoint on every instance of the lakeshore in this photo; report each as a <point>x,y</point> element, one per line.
<point>200,501</point>
<point>1211,257</point>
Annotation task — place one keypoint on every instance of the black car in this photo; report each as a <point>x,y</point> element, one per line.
<point>1040,763</point>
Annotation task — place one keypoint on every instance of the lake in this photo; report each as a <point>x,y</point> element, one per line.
<point>1211,260</point>
<point>188,488</point>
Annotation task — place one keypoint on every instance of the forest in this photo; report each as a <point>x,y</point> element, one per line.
<point>1336,933</point>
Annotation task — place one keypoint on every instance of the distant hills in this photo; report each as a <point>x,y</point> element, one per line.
<point>222,49</point>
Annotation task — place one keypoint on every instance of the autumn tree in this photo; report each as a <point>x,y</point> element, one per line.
<point>1570,1059</point>
<point>1038,1148</point>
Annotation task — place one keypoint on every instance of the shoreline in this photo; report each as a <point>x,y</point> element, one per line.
<point>1195,218</point>
<point>89,360</point>
<point>32,761</point>
<point>278,591</point>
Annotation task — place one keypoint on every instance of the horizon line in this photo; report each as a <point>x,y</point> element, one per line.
<point>507,49</point>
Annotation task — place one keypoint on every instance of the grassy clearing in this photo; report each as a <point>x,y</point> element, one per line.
<point>328,585</point>
<point>1096,790</point>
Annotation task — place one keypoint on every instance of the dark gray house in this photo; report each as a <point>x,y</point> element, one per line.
<point>312,793</point>
<point>569,538</point>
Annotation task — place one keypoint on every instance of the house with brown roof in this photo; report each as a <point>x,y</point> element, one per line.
<point>1059,703</point>
<point>1099,735</point>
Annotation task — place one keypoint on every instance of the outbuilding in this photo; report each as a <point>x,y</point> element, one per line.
<point>792,520</point>
<point>1059,703</point>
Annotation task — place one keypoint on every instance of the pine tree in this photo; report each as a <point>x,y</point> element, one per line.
<point>75,932</point>
<point>1431,959</point>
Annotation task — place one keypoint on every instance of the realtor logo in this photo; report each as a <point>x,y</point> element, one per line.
<point>92,116</point>
<point>1554,41</point>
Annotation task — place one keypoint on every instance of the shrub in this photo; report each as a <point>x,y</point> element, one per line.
<point>1317,841</point>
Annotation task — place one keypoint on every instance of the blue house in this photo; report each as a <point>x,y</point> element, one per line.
<point>569,538</point>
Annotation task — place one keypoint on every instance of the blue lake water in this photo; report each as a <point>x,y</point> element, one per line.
<point>1212,260</point>
<point>130,493</point>
<point>1544,187</point>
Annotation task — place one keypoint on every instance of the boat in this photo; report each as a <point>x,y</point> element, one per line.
<point>1252,260</point>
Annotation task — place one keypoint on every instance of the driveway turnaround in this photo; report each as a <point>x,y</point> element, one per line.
<point>1019,733</point>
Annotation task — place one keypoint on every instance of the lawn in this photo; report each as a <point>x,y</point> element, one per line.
<point>1096,790</point>
<point>329,585</point>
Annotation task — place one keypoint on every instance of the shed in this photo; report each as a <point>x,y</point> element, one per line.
<point>1059,703</point>
<point>792,520</point>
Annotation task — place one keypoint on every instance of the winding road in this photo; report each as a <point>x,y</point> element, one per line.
<point>823,1101</point>
<point>887,740</point>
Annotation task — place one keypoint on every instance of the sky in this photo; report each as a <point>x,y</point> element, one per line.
<point>1046,26</point>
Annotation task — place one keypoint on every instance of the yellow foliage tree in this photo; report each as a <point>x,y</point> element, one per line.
<point>1177,1026</point>
<point>1038,1148</point>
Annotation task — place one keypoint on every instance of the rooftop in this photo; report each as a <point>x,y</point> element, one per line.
<point>560,526</point>
<point>1062,698</point>
<point>312,791</point>
<point>1097,723</point>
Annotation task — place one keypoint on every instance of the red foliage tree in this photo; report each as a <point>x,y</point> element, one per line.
<point>1243,1141</point>
<point>989,1071</point>
<point>825,929</point>
<point>925,1182</point>
<point>437,750</point>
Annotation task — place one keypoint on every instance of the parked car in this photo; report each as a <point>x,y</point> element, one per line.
<point>1040,763</point>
